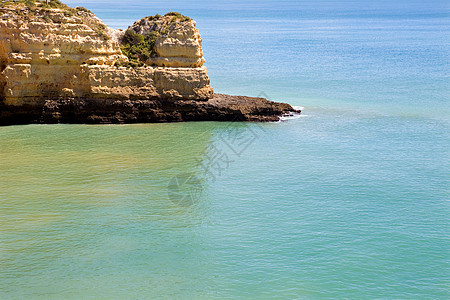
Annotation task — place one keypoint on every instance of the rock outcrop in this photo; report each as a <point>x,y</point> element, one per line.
<point>178,44</point>
<point>61,64</point>
<point>106,111</point>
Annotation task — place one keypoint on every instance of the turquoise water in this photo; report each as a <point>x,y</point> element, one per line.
<point>348,201</point>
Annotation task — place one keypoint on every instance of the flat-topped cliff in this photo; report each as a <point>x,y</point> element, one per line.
<point>62,64</point>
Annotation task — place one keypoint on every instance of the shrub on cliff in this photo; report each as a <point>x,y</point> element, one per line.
<point>33,4</point>
<point>54,4</point>
<point>138,48</point>
<point>155,17</point>
<point>83,9</point>
<point>132,38</point>
<point>177,16</point>
<point>28,3</point>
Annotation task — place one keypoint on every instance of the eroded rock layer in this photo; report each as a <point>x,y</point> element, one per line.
<point>178,43</point>
<point>62,64</point>
<point>69,53</point>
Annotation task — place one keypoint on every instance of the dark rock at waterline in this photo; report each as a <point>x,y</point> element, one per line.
<point>105,111</point>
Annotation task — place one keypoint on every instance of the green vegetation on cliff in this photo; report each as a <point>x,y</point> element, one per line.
<point>42,4</point>
<point>34,3</point>
<point>138,48</point>
<point>176,16</point>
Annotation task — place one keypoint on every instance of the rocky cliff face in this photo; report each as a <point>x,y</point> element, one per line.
<point>178,42</point>
<point>58,64</point>
<point>69,53</point>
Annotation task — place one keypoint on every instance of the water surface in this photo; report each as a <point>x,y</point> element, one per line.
<point>348,201</point>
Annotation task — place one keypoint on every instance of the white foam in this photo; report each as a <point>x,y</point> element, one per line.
<point>291,116</point>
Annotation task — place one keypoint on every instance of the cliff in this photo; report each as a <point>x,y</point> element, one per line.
<point>62,64</point>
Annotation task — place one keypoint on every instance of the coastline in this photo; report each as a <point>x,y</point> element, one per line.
<point>348,199</point>
<point>64,65</point>
<point>112,111</point>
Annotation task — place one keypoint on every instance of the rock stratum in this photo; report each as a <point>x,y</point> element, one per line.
<point>63,65</point>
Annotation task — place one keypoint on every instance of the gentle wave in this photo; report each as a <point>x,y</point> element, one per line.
<point>293,115</point>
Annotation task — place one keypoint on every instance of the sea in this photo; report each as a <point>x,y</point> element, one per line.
<point>349,200</point>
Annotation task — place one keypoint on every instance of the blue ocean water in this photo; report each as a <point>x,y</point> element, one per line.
<point>351,200</point>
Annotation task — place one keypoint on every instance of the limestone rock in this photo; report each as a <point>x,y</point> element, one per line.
<point>47,52</point>
<point>179,43</point>
<point>62,64</point>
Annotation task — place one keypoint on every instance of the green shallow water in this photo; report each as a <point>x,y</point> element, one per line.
<point>305,210</point>
<point>348,201</point>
